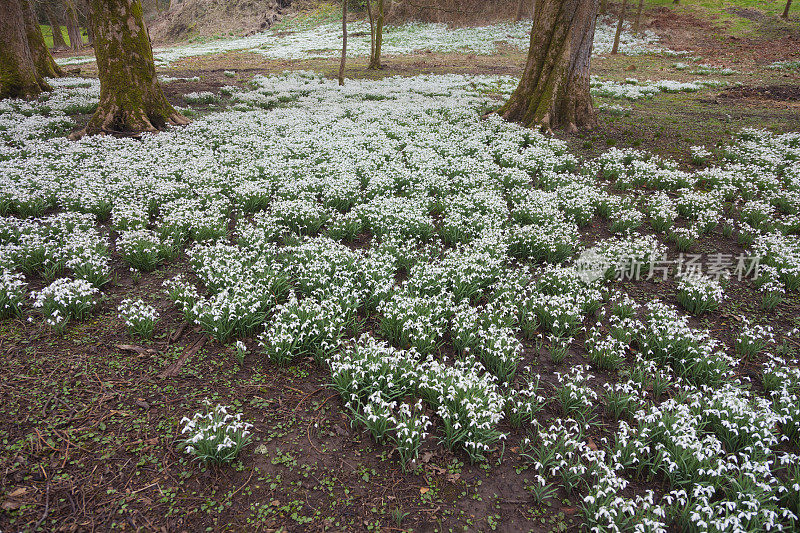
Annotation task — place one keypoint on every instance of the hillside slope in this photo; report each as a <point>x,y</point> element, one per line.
<point>186,18</point>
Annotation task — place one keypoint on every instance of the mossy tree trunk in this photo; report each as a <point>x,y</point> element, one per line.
<point>73,27</point>
<point>42,59</point>
<point>18,75</point>
<point>377,21</point>
<point>131,98</point>
<point>554,90</point>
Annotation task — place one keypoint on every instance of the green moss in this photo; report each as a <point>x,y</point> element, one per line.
<point>129,87</point>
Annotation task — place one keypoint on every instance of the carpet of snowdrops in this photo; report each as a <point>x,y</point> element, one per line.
<point>421,254</point>
<point>325,40</point>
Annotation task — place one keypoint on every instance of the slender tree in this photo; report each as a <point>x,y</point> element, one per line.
<point>554,89</point>
<point>42,59</point>
<point>131,98</point>
<point>19,77</point>
<point>637,24</point>
<point>344,42</point>
<point>785,14</point>
<point>376,21</point>
<point>615,47</point>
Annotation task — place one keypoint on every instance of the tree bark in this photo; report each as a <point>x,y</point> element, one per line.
<point>615,48</point>
<point>73,27</point>
<point>638,22</point>
<point>42,59</point>
<point>131,98</point>
<point>55,23</point>
<point>375,56</point>
<point>520,9</point>
<point>344,42</point>
<point>371,31</point>
<point>554,89</point>
<point>785,14</point>
<point>18,75</point>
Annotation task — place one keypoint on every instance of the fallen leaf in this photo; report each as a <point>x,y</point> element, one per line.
<point>17,493</point>
<point>10,505</point>
<point>423,490</point>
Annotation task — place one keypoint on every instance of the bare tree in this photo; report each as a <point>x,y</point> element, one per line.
<point>615,47</point>
<point>51,12</point>
<point>376,21</point>
<point>638,22</point>
<point>344,42</point>
<point>520,10</point>
<point>554,89</point>
<point>73,25</point>
<point>131,97</point>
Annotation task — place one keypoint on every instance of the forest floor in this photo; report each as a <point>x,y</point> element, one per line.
<point>88,423</point>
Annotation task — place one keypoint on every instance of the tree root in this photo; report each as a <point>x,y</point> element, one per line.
<point>134,124</point>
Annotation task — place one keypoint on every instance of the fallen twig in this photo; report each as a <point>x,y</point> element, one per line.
<point>46,507</point>
<point>307,396</point>
<point>137,349</point>
<point>175,367</point>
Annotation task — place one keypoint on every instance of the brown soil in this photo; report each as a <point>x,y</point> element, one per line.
<point>680,31</point>
<point>779,93</point>
<point>192,18</point>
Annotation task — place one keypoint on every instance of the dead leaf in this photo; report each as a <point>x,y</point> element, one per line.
<point>10,505</point>
<point>423,490</point>
<point>18,493</point>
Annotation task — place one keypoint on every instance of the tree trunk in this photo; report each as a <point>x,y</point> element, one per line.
<point>615,48</point>
<point>785,14</point>
<point>89,33</point>
<point>638,22</point>
<point>375,57</point>
<point>42,59</point>
<point>55,23</point>
<point>131,98</point>
<point>73,28</point>
<point>344,42</point>
<point>371,32</point>
<point>603,6</point>
<point>18,75</point>
<point>554,89</point>
<point>520,9</point>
